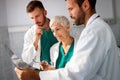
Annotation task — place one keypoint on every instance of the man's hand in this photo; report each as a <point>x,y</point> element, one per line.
<point>27,74</point>
<point>38,33</point>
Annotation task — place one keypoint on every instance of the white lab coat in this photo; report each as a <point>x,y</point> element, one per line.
<point>29,54</point>
<point>54,52</point>
<point>95,57</point>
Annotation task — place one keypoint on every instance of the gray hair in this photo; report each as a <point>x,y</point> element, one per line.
<point>59,19</point>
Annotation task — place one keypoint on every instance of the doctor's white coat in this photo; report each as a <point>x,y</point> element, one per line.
<point>95,57</point>
<point>29,54</point>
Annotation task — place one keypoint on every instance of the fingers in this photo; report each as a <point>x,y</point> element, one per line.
<point>38,31</point>
<point>44,63</point>
<point>19,73</point>
<point>27,74</point>
<point>22,74</point>
<point>45,66</point>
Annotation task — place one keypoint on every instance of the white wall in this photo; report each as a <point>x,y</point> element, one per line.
<point>117,8</point>
<point>16,10</point>
<point>116,27</point>
<point>106,10</point>
<point>3,15</point>
<point>6,67</point>
<point>16,13</point>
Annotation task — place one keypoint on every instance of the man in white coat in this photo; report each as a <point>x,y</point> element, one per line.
<point>39,38</point>
<point>96,54</point>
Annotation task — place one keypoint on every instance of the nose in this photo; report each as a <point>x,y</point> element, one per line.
<point>35,20</point>
<point>55,33</point>
<point>69,13</point>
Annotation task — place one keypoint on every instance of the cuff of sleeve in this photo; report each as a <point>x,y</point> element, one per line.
<point>48,75</point>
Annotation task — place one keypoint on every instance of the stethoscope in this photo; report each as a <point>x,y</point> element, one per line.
<point>94,18</point>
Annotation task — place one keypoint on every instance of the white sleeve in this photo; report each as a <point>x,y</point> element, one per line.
<point>54,51</point>
<point>29,51</point>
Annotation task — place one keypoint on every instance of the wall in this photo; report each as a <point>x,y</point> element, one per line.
<point>18,16</point>
<point>103,10</point>
<point>3,15</point>
<point>16,13</point>
<point>116,27</point>
<point>6,67</point>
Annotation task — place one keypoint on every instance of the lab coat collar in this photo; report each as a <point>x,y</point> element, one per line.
<point>92,18</point>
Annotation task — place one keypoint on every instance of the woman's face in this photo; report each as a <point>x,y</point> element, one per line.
<point>60,32</point>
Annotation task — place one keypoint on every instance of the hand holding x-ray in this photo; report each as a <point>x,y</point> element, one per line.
<point>18,62</point>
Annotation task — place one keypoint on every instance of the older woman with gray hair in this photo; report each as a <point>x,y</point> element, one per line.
<point>61,52</point>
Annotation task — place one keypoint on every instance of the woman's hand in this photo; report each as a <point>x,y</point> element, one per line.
<point>45,66</point>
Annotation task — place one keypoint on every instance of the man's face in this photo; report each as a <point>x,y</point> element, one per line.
<point>75,12</point>
<point>38,16</point>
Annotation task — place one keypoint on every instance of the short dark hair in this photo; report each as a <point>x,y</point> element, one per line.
<point>92,3</point>
<point>79,2</point>
<point>34,4</point>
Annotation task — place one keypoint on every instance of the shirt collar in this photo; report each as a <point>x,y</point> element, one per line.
<point>92,18</point>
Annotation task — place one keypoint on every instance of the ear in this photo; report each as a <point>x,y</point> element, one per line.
<point>45,12</point>
<point>68,27</point>
<point>86,5</point>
